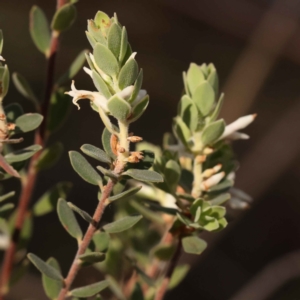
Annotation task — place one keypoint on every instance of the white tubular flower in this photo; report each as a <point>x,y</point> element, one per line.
<point>88,71</point>
<point>126,93</point>
<point>238,136</point>
<point>209,172</point>
<point>99,100</point>
<point>235,126</point>
<point>213,180</point>
<point>2,58</point>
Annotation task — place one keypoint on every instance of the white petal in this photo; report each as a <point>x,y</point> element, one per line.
<point>238,136</point>
<point>87,71</point>
<point>139,97</point>
<point>213,180</point>
<point>2,58</point>
<point>126,93</point>
<point>240,123</point>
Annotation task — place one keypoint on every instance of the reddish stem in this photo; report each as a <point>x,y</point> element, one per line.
<point>86,241</point>
<point>29,184</point>
<point>171,267</point>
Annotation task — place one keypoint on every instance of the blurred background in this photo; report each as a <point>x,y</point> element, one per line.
<point>255,46</point>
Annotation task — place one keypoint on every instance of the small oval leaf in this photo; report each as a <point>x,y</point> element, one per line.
<point>125,194</point>
<point>122,224</point>
<point>29,122</point>
<point>144,175</point>
<point>193,245</point>
<point>96,153</point>
<point>90,290</point>
<point>64,17</point>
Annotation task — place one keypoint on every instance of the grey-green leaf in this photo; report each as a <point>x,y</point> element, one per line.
<point>48,201</point>
<point>74,68</point>
<point>22,154</point>
<point>101,240</point>
<point>81,212</point>
<point>114,38</point>
<point>212,132</point>
<point>128,73</point>
<point>50,156</point>
<point>39,29</point>
<point>119,108</point>
<point>29,122</point>
<point>100,84</point>
<point>106,60</point>
<point>7,196</point>
<point>52,287</point>
<point>84,169</point>
<point>172,174</point>
<point>122,224</point>
<point>139,109</point>
<point>90,290</point>
<point>68,220</point>
<point>204,97</point>
<point>124,44</point>
<point>24,88</point>
<point>144,175</point>
<point>194,77</point>
<point>44,268</point>
<point>96,153</point>
<point>126,194</point>
<point>92,257</point>
<point>64,17</point>
<point>137,86</point>
<point>193,245</point>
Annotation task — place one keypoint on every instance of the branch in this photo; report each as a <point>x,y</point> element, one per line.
<point>171,267</point>
<point>29,184</point>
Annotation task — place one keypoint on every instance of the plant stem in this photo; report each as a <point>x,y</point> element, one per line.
<point>171,267</point>
<point>29,183</point>
<point>86,241</point>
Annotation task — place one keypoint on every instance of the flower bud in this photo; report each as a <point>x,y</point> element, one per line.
<point>213,180</point>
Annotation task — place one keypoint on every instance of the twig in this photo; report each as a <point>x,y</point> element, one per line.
<point>86,241</point>
<point>164,286</point>
<point>29,184</point>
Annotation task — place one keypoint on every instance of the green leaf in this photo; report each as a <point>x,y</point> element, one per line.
<point>178,275</point>
<point>59,109</point>
<point>84,169</point>
<point>204,97</point>
<point>50,156</point>
<point>64,17</point>
<point>220,199</point>
<point>213,79</point>
<point>92,257</point>
<point>128,73</point>
<point>122,224</point>
<point>193,245</point>
<point>13,111</point>
<point>96,153</point>
<point>48,201</point>
<point>74,68</point>
<point>5,208</point>
<point>106,138</point>
<point>106,60</point>
<point>144,175</point>
<point>90,290</point>
<point>39,30</point>
<point>100,84</point>
<point>212,132</point>
<point>172,174</point>
<point>188,112</point>
<point>164,252</point>
<point>95,34</point>
<point>137,86</point>
<point>52,287</point>
<point>114,39</point>
<point>44,268</point>
<point>81,212</point>
<point>101,240</point>
<point>147,213</point>
<point>181,130</point>
<point>24,88</point>
<point>137,293</point>
<point>126,194</point>
<point>217,109</point>
<point>29,122</point>
<point>22,154</point>
<point>139,109</point>
<point>194,77</point>
<point>107,172</point>
<point>124,44</point>
<point>4,80</point>
<point>68,220</point>
<point>7,196</point>
<point>119,108</point>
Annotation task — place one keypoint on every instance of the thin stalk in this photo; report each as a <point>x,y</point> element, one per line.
<point>171,267</point>
<point>29,184</point>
